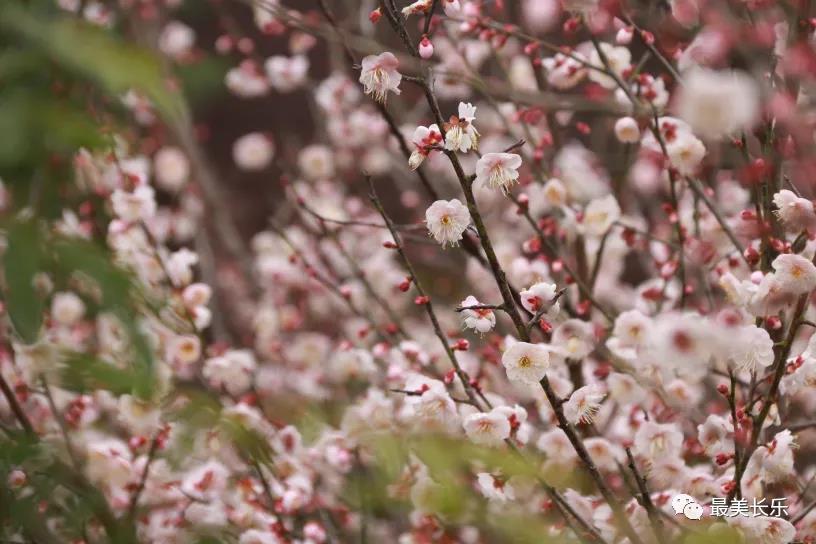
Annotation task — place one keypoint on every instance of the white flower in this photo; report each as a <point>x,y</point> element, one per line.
<point>286,74</point>
<point>479,320</point>
<point>206,482</point>
<point>657,440</point>
<point>575,338</point>
<point>632,328</point>
<point>460,134</point>
<point>447,220</point>
<point>600,214</point>
<point>796,213</point>
<point>246,81</point>
<point>540,295</point>
<point>487,429</point>
<point>140,417</point>
<point>764,529</point>
<point>752,349</point>
<point>183,349</point>
<point>581,172</point>
<point>498,170</point>
<point>775,459</point>
<point>425,139</point>
<point>685,153</point>
<point>316,162</point>
<point>67,308</point>
<point>627,130</point>
<point>172,168</point>
<point>176,39</point>
<point>714,435</point>
<point>796,274</point>
<point>196,294</point>
<point>212,514</point>
<point>232,371</point>
<point>379,75</point>
<point>564,72</point>
<point>526,363</point>
<point>584,403</point>
<point>718,103</point>
<point>351,364</point>
<point>140,205</point>
<point>179,266</point>
<point>109,463</point>
<point>253,152</point>
<point>618,59</point>
<point>420,6</point>
<point>494,489</point>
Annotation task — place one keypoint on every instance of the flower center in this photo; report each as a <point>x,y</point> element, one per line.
<point>525,362</point>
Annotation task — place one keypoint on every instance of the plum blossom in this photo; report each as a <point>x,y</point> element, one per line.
<point>286,73</point>
<point>627,130</point>
<point>460,134</point>
<point>426,140</point>
<point>752,349</point>
<point>498,170</point>
<point>67,308</point>
<point>379,75</point>
<point>796,274</point>
<point>584,403</point>
<point>718,103</point>
<point>253,152</point>
<point>564,72</point>
<point>233,371</point>
<point>478,319</point>
<point>525,362</point>
<point>600,214</point>
<point>617,58</point>
<point>139,205</point>
<point>447,220</point>
<point>172,168</point>
<point>487,429</point>
<point>539,296</point>
<point>796,213</point>
<point>494,488</point>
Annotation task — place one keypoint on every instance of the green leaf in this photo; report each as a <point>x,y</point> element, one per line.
<point>95,53</point>
<point>117,297</point>
<point>83,373</point>
<point>22,261</point>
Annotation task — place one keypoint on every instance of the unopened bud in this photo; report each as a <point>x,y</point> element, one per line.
<point>426,48</point>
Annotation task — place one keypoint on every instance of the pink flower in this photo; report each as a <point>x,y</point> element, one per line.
<point>426,140</point>
<point>447,220</point>
<point>487,429</point>
<point>498,170</point>
<point>379,75</point>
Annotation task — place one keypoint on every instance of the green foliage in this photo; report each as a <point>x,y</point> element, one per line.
<point>85,373</point>
<point>22,261</point>
<point>94,53</point>
<point>31,252</point>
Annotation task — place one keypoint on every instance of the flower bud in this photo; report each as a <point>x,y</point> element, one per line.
<point>426,48</point>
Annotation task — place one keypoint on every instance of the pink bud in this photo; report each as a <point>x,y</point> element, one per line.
<point>624,36</point>
<point>426,49</point>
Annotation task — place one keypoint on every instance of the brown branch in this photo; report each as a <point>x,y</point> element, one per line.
<point>617,510</point>
<point>463,377</point>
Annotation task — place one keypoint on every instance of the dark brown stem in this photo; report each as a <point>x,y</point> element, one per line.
<point>471,394</point>
<point>646,499</point>
<point>578,445</point>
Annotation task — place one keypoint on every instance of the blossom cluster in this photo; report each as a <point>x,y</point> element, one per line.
<point>543,266</point>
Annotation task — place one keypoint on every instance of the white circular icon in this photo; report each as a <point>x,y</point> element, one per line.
<point>680,501</point>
